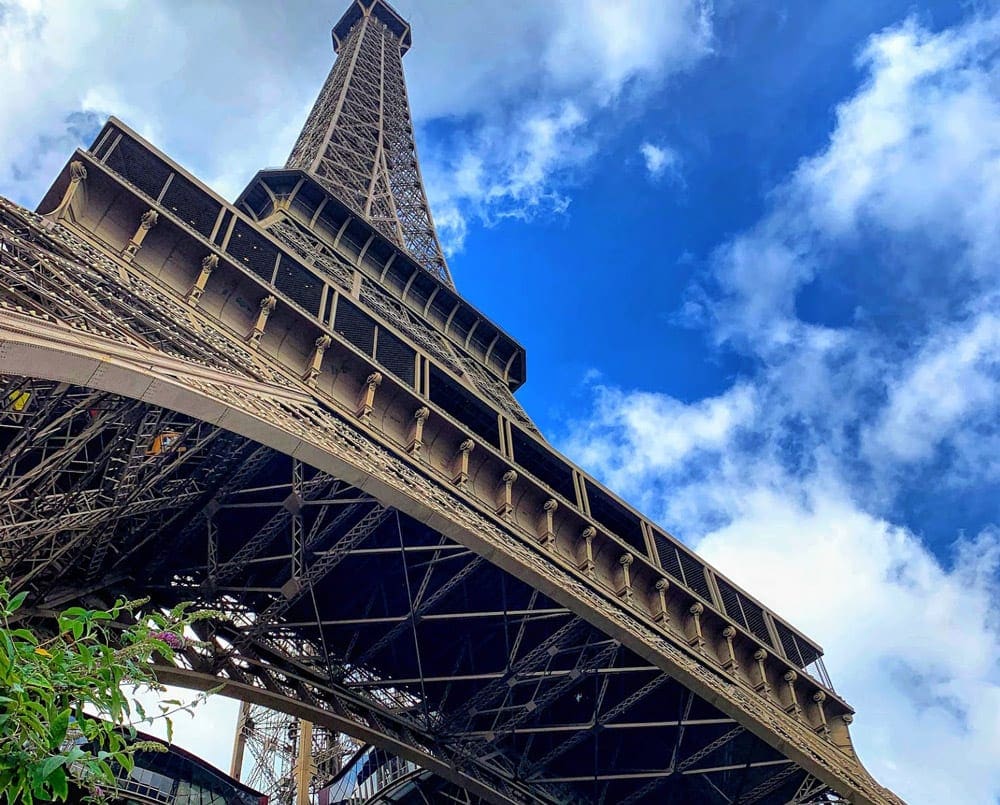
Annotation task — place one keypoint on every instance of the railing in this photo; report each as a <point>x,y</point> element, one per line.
<point>817,670</point>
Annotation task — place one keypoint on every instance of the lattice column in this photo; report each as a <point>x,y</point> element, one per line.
<point>358,139</point>
<point>269,747</point>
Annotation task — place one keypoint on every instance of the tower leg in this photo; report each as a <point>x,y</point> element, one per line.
<point>239,742</point>
<point>303,764</point>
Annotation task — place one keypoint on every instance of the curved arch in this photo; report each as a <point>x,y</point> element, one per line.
<point>259,411</point>
<point>195,680</point>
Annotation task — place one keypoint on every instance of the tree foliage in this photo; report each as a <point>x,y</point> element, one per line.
<point>68,695</point>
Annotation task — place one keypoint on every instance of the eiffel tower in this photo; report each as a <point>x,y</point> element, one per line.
<point>282,408</point>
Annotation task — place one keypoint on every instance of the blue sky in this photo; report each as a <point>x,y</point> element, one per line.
<point>751,248</point>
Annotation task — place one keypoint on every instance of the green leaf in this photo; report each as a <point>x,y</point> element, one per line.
<point>59,784</point>
<point>50,764</point>
<point>57,732</point>
<point>73,755</point>
<point>16,601</point>
<point>26,635</point>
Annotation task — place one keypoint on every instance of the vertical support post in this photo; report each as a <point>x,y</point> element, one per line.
<point>208,265</point>
<point>77,173</point>
<point>546,534</point>
<point>416,444</point>
<point>624,590</point>
<point>267,306</point>
<point>762,686</point>
<point>840,731</point>
<point>213,546</point>
<point>587,563</point>
<point>823,728</point>
<point>239,741</point>
<point>792,706</point>
<point>662,615</point>
<point>147,222</point>
<point>729,657</point>
<point>320,346</point>
<point>695,637</point>
<point>505,507</point>
<point>303,764</point>
<point>293,503</point>
<point>366,402</point>
<point>461,469</point>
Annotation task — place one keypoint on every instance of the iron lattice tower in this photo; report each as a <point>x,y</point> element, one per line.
<point>358,139</point>
<point>281,408</point>
<point>268,754</point>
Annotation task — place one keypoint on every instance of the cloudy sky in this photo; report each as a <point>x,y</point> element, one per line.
<point>751,248</point>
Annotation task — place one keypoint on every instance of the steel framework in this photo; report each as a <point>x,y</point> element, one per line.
<point>275,409</point>
<point>358,139</point>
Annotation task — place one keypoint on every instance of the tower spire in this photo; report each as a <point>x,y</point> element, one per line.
<point>358,139</point>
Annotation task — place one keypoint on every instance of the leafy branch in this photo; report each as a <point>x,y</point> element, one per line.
<point>65,716</point>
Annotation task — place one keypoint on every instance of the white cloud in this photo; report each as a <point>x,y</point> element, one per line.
<point>911,173</point>
<point>917,148</point>
<point>510,52</point>
<point>793,480</point>
<point>660,160</point>
<point>209,85</point>
<point>528,115</point>
<point>637,439</point>
<point>951,384</point>
<point>913,645</point>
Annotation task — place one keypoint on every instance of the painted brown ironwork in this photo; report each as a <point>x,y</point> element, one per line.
<point>358,139</point>
<point>269,408</point>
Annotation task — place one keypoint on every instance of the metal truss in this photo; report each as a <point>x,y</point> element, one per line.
<point>271,744</point>
<point>520,689</point>
<point>53,275</point>
<point>358,139</point>
<point>339,601</point>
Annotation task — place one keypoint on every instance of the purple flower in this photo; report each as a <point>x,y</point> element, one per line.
<point>172,639</point>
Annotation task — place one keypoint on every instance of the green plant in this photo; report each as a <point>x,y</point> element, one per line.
<point>68,696</point>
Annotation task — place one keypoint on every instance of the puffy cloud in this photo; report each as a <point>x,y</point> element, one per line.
<point>188,78</point>
<point>524,117</point>
<point>510,52</point>
<point>637,440</point>
<point>794,480</point>
<point>506,171</point>
<point>910,180</point>
<point>912,644</point>
<point>952,385</point>
<point>916,150</point>
<point>660,160</point>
